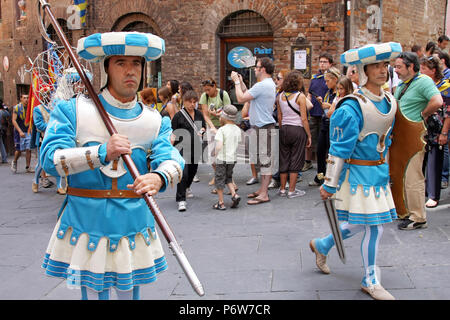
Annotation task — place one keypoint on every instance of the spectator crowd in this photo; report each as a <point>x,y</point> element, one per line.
<point>208,128</point>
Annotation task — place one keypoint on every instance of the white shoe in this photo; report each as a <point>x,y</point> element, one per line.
<point>273,184</point>
<point>307,166</point>
<point>196,179</point>
<point>252,180</point>
<point>189,193</point>
<point>182,206</point>
<point>14,166</point>
<point>296,193</point>
<point>377,292</point>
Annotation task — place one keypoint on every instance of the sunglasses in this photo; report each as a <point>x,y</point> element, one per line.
<point>208,83</point>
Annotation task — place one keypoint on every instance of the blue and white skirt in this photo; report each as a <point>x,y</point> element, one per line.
<point>102,269</point>
<point>365,205</point>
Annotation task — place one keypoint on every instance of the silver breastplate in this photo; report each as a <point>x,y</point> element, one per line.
<point>141,131</point>
<point>376,122</point>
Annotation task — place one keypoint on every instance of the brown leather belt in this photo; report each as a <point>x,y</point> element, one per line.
<point>95,193</point>
<point>366,162</point>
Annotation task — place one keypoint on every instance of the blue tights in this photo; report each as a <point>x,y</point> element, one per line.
<point>88,294</point>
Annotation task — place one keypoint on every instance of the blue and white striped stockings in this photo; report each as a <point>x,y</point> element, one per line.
<point>369,247</point>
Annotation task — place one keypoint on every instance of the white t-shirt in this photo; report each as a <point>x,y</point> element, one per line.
<point>261,107</point>
<point>230,135</point>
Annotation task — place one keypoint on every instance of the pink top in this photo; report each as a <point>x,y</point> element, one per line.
<point>289,116</point>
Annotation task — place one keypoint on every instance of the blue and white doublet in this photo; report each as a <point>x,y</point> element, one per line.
<point>360,129</point>
<point>104,242</point>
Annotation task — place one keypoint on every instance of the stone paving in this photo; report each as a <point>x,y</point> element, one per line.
<point>249,253</point>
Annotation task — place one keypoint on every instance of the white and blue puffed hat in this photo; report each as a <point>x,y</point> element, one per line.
<point>99,46</point>
<point>369,54</point>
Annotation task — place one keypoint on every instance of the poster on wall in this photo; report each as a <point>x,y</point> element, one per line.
<point>241,57</point>
<point>301,59</point>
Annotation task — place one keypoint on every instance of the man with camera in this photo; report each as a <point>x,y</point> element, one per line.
<point>262,98</point>
<point>418,99</point>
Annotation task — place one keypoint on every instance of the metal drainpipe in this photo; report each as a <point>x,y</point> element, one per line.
<point>381,22</point>
<point>347,22</point>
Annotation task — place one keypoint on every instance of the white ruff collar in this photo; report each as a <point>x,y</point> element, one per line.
<point>116,103</point>
<point>372,96</point>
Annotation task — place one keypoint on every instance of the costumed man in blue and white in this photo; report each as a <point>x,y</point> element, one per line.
<point>67,86</point>
<point>357,174</point>
<point>105,235</point>
<point>41,116</point>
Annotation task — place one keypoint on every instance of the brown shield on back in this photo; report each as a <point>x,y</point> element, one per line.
<point>406,142</point>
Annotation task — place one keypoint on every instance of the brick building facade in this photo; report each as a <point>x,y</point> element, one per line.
<point>200,34</point>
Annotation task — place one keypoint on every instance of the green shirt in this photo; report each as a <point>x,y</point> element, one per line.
<point>217,104</point>
<point>416,97</point>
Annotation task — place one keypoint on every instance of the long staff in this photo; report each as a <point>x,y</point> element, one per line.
<point>162,223</point>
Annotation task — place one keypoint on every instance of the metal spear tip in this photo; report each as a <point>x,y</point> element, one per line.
<point>199,290</point>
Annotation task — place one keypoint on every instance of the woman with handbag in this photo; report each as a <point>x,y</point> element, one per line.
<point>434,156</point>
<point>294,132</point>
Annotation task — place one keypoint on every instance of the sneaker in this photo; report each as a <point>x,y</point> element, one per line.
<point>14,166</point>
<point>282,192</point>
<point>274,184</point>
<point>29,170</point>
<point>182,206</point>
<point>377,292</point>
<point>307,166</point>
<point>189,193</point>
<point>296,193</point>
<point>253,180</point>
<point>444,184</point>
<point>196,179</point>
<point>46,183</point>
<point>411,225</point>
<point>314,183</point>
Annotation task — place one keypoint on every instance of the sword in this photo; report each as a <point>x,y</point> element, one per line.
<point>334,225</point>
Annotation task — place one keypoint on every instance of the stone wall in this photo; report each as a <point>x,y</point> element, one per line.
<point>190,30</point>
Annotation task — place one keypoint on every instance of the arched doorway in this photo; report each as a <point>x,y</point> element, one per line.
<point>244,36</point>
<point>132,22</point>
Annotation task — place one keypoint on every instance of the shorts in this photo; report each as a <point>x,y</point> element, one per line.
<point>22,144</point>
<point>223,174</point>
<point>263,145</point>
<point>293,140</point>
<point>208,155</point>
